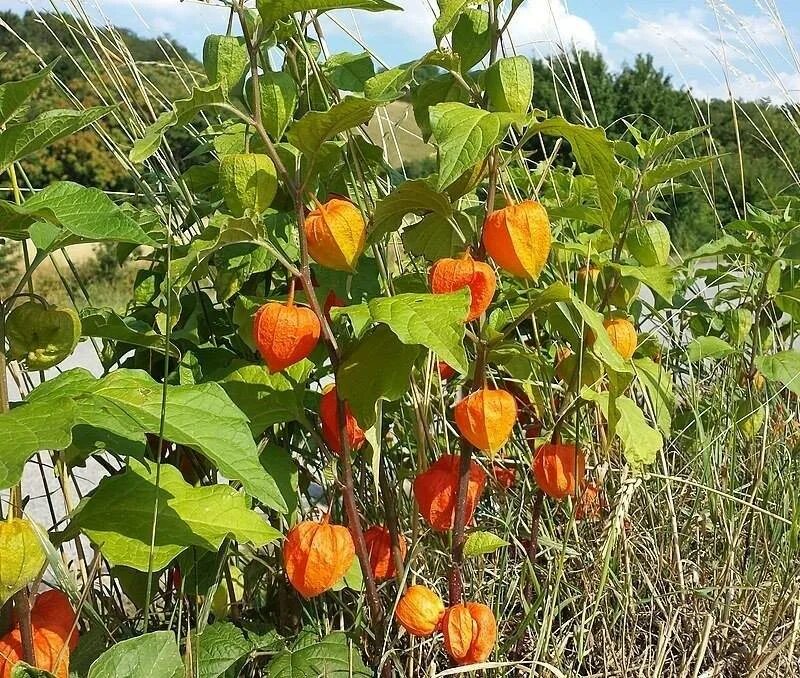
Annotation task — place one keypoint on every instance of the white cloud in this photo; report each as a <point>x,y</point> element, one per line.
<point>547,26</point>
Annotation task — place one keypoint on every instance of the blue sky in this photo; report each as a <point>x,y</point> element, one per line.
<point>708,45</point>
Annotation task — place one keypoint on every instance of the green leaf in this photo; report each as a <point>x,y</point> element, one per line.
<point>272,10</point>
<point>595,156</point>
<point>128,402</point>
<point>602,344</point>
<point>660,279</point>
<point>280,465</point>
<point>464,135</point>
<point>432,320</point>
<point>278,102</point>
<point>28,429</point>
<point>105,323</point>
<point>118,517</point>
<point>88,214</point>
<point>225,61</point>
<point>658,384</point>
<point>449,13</point>
<point>20,140</point>
<point>333,657</point>
<point>701,348</point>
<point>266,399</point>
<point>673,170</point>
<point>23,556</point>
<point>472,38</point>
<point>509,84</point>
<point>640,441</point>
<point>316,127</point>
<point>479,543</point>
<point>182,113</point>
<point>411,197</point>
<point>148,656</point>
<point>388,84</point>
<point>249,183</point>
<point>783,367</point>
<point>14,94</point>
<point>434,237</point>
<point>349,72</point>
<point>218,648</point>
<point>377,368</point>
<point>23,670</point>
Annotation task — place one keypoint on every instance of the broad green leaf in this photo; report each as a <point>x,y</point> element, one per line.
<point>388,84</point>
<point>105,323</point>
<point>449,13</point>
<point>14,94</point>
<point>432,320</point>
<point>315,127</point>
<point>649,243</point>
<point>783,367</point>
<point>464,135</point>
<point>411,197</point>
<point>435,91</point>
<point>118,517</point>
<point>472,38</point>
<point>278,102</point>
<point>602,344</point>
<point>23,556</point>
<point>272,10</point>
<point>333,657</point>
<point>182,113</point>
<point>658,384</point>
<point>20,140</point>
<point>153,654</point>
<point>377,368</point>
<point>218,648</point>
<point>509,84</point>
<point>479,543</point>
<point>595,156</point>
<point>673,170</point>
<point>660,279</point>
<point>266,399</point>
<point>701,348</point>
<point>225,61</point>
<point>640,441</point>
<point>86,213</point>
<point>29,429</point>
<point>128,402</point>
<point>280,466</point>
<point>349,72</point>
<point>553,294</point>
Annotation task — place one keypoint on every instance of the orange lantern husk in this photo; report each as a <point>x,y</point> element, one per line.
<point>518,238</point>
<point>559,469</point>
<point>331,431</point>
<point>419,611</point>
<point>450,275</point>
<point>379,547</point>
<point>53,611</point>
<point>504,476</point>
<point>470,633</point>
<point>336,234</point>
<point>49,650</point>
<point>437,488</point>
<point>317,555</point>
<point>623,336</point>
<point>285,334</point>
<point>486,418</point>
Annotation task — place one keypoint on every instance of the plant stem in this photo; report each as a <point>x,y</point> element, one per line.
<point>390,509</point>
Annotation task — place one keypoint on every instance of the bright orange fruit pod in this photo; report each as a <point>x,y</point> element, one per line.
<point>486,418</point>
<point>518,238</point>
<point>450,275</point>
<point>316,555</point>
<point>419,611</point>
<point>331,432</point>
<point>505,476</point>
<point>559,469</point>
<point>623,336</point>
<point>49,651</point>
<point>437,488</point>
<point>336,234</point>
<point>470,632</point>
<point>285,334</point>
<point>379,546</point>
<point>53,611</point>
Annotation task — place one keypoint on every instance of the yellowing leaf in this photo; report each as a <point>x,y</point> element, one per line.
<point>21,556</point>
